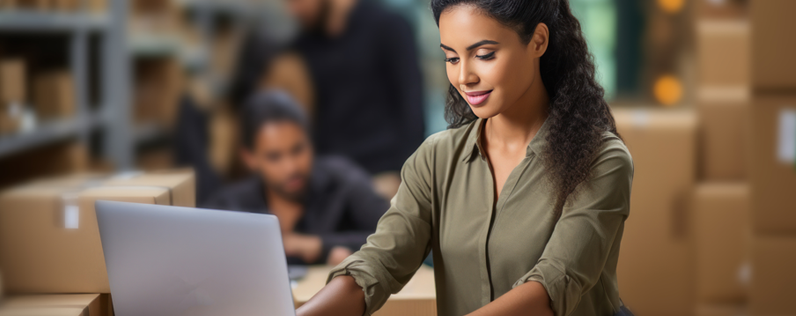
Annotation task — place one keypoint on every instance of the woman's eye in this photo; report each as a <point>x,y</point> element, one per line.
<point>452,60</point>
<point>486,56</point>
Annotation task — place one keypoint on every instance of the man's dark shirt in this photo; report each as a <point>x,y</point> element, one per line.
<point>340,205</point>
<point>368,89</point>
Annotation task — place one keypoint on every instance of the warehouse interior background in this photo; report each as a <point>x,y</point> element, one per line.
<point>703,91</point>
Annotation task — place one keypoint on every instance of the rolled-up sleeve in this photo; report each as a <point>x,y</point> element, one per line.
<point>576,253</point>
<point>396,250</point>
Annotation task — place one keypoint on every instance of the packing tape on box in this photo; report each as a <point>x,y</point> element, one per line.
<point>641,118</point>
<point>786,145</point>
<point>70,215</point>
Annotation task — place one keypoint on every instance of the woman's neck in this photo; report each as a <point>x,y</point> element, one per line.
<point>517,125</point>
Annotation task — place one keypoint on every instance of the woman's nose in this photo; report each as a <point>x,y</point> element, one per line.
<point>466,75</point>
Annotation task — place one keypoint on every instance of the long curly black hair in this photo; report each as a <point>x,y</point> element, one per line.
<point>578,114</point>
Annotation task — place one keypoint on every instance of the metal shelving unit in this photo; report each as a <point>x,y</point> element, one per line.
<point>112,117</point>
<point>46,133</point>
<point>112,114</point>
<point>20,21</point>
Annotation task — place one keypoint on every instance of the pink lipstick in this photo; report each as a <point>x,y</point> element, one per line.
<point>477,97</point>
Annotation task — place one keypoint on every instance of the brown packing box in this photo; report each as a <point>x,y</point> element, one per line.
<point>772,169</point>
<point>46,305</point>
<point>773,47</point>
<point>53,160</point>
<point>656,265</point>
<point>157,90</point>
<point>723,136</point>
<point>721,310</point>
<point>721,234</point>
<point>155,159</point>
<point>53,94</point>
<point>9,124</point>
<point>12,82</point>
<point>417,298</point>
<point>181,184</point>
<point>723,52</point>
<point>721,9</point>
<point>49,241</point>
<point>773,290</point>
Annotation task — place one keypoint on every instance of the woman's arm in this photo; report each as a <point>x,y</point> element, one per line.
<point>391,255</point>
<point>527,299</point>
<point>342,295</point>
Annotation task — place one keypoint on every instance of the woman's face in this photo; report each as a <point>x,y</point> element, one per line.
<point>486,61</point>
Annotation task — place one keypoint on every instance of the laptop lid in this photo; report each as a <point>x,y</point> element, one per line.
<point>169,261</point>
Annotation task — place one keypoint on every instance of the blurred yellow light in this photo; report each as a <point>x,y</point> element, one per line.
<point>668,90</point>
<point>671,6</point>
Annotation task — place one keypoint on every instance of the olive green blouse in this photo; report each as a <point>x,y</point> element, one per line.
<point>483,248</point>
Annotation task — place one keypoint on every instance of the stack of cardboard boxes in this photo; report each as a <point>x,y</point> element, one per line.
<point>719,203</point>
<point>52,5</point>
<point>49,240</point>
<point>712,231</point>
<point>53,94</point>
<point>685,249</point>
<point>772,167</point>
<point>12,94</point>
<point>157,90</point>
<point>655,269</point>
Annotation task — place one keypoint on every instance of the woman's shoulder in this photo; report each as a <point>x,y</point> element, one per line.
<point>615,150</point>
<point>449,142</point>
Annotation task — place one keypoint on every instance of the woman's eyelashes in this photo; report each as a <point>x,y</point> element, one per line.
<point>486,56</point>
<point>454,60</point>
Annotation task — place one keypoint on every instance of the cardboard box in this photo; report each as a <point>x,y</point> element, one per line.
<point>9,123</point>
<point>721,9</point>
<point>49,161</point>
<point>181,184</point>
<point>772,168</point>
<point>773,47</point>
<point>417,298</point>
<point>155,159</point>
<point>722,236</point>
<point>723,139</point>
<point>721,310</point>
<point>158,84</point>
<point>46,305</point>
<point>723,52</point>
<point>12,82</point>
<point>656,263</point>
<point>49,240</point>
<point>54,94</point>
<point>773,276</point>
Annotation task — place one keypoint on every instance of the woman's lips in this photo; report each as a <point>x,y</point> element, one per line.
<point>477,97</point>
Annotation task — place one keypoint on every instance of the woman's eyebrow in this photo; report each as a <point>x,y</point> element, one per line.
<point>471,47</point>
<point>481,43</point>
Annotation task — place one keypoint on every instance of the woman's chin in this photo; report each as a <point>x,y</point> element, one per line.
<point>485,111</point>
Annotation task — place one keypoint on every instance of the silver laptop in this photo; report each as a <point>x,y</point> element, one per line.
<point>169,261</point>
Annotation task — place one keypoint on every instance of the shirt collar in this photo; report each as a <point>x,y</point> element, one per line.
<point>473,146</point>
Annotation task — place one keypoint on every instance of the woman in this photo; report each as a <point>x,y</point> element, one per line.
<point>523,200</point>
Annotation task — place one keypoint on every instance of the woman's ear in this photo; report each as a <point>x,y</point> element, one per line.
<point>541,38</point>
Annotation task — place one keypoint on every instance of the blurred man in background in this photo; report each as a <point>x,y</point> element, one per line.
<point>326,205</point>
<point>364,66</point>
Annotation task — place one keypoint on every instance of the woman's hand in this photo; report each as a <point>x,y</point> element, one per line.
<point>342,296</point>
